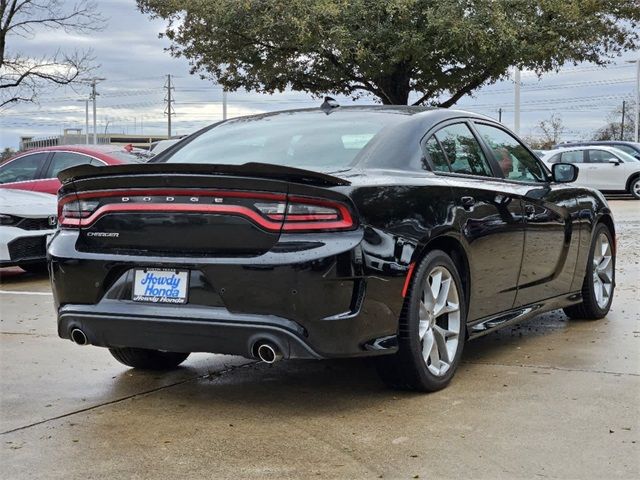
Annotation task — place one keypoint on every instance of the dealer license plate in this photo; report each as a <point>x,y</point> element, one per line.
<point>159,285</point>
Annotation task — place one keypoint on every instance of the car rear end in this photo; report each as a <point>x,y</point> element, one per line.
<point>216,259</point>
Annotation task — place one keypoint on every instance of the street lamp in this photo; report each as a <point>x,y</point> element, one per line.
<point>637,119</point>
<point>86,120</point>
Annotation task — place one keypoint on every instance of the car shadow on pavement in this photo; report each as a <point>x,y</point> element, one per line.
<point>308,385</point>
<point>15,276</point>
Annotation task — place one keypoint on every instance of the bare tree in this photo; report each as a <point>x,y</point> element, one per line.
<point>22,77</point>
<point>613,129</point>
<point>552,130</point>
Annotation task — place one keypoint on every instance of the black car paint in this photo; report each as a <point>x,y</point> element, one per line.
<point>521,248</point>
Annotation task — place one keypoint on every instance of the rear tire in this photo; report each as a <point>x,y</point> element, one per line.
<point>599,281</point>
<point>432,328</point>
<point>148,359</point>
<point>634,188</point>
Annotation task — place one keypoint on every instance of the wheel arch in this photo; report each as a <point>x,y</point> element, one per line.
<point>455,249</point>
<point>630,180</point>
<point>607,220</point>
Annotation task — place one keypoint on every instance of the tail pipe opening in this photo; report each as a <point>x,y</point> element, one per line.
<point>78,337</point>
<point>268,352</point>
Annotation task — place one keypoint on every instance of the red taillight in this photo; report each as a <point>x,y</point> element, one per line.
<point>270,211</point>
<point>311,214</point>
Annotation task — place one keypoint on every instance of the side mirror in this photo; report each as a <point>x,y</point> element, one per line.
<point>564,172</point>
<point>615,161</point>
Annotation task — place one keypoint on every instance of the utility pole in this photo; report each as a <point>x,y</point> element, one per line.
<point>500,114</point>
<point>224,104</point>
<point>622,123</point>
<point>637,98</point>
<point>516,111</point>
<point>637,113</point>
<point>86,121</point>
<point>168,111</point>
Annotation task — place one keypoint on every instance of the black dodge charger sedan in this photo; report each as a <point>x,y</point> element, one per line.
<point>395,232</point>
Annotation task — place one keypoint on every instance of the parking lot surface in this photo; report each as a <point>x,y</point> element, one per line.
<point>549,398</point>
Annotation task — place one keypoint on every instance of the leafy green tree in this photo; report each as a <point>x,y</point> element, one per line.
<point>440,49</point>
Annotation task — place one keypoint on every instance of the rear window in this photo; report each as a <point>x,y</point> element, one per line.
<point>310,140</point>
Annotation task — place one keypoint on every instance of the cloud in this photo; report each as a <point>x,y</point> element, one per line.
<point>133,61</point>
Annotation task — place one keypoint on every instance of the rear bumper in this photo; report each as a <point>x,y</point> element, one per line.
<point>312,298</point>
<point>216,332</point>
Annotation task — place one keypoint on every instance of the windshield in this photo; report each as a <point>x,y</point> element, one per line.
<point>311,140</point>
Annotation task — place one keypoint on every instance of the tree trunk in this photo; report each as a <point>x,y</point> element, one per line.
<point>394,88</point>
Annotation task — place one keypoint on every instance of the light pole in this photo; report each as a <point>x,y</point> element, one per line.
<point>637,119</point>
<point>93,96</point>
<point>516,109</point>
<point>86,120</point>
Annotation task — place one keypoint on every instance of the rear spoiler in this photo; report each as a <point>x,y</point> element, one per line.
<point>253,169</point>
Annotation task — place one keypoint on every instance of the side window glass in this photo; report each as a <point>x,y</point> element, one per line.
<point>463,150</point>
<point>437,156</point>
<point>574,156</point>
<point>62,160</point>
<point>22,169</point>
<point>515,160</point>
<point>600,156</point>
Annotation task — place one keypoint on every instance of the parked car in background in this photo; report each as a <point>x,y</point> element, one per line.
<point>37,169</point>
<point>631,148</point>
<point>540,153</point>
<point>162,145</point>
<point>601,167</point>
<point>26,220</point>
<point>395,232</point>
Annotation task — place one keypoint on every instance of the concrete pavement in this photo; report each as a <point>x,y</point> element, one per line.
<point>550,398</point>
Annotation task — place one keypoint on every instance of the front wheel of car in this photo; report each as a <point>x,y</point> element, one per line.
<point>148,359</point>
<point>634,188</point>
<point>432,328</point>
<point>599,280</point>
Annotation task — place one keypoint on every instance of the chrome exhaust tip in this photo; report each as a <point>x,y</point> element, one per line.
<point>78,337</point>
<point>269,353</point>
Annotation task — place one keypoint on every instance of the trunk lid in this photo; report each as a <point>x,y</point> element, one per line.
<point>192,210</point>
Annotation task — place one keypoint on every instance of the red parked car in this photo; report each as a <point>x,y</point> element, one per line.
<point>37,169</point>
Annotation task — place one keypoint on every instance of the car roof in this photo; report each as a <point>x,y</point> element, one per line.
<point>102,152</point>
<point>584,147</point>
<point>411,111</point>
<point>599,143</point>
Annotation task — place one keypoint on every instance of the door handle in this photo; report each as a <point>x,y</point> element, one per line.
<point>468,202</point>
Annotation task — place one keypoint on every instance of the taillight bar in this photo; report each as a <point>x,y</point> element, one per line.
<point>271,211</point>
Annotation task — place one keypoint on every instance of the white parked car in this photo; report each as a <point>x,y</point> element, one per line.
<point>604,168</point>
<point>26,220</point>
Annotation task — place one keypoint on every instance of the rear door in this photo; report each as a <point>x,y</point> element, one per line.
<point>489,216</point>
<point>605,170</point>
<point>58,162</point>
<point>550,247</point>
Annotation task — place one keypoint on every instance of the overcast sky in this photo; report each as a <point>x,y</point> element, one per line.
<point>135,65</point>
